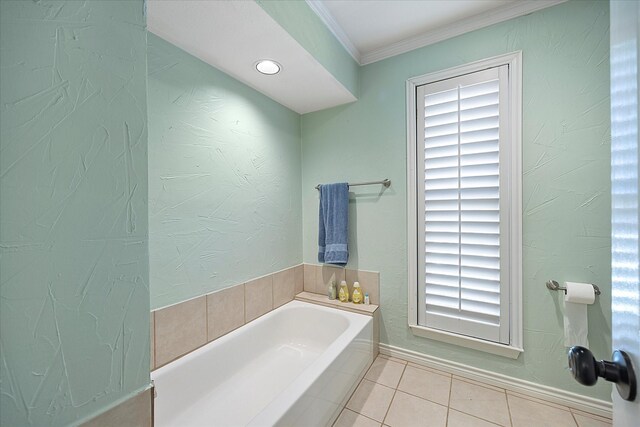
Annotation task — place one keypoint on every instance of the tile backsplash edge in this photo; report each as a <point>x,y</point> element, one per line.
<point>217,323</point>
<point>317,278</point>
<point>156,363</point>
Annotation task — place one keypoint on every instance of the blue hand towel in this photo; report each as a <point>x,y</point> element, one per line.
<point>334,224</point>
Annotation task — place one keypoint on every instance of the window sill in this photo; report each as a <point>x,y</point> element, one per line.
<point>468,342</point>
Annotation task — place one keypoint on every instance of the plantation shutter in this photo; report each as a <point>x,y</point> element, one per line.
<point>462,287</point>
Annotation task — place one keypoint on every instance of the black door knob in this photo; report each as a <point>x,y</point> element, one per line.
<point>586,370</point>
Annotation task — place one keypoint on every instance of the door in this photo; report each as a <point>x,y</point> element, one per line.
<point>625,298</point>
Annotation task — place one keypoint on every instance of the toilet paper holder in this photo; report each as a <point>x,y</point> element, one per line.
<point>555,286</point>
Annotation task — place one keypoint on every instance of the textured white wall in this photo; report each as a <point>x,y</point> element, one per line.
<point>74,295</point>
<point>224,179</point>
<point>566,184</point>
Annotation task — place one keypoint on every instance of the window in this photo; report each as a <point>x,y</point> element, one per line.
<point>465,205</point>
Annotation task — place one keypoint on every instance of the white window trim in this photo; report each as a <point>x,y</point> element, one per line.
<point>515,347</point>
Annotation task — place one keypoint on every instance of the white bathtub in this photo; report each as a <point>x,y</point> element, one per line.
<point>294,366</point>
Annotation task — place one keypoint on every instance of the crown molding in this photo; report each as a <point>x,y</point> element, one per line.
<point>503,13</point>
<point>327,18</point>
<point>500,14</point>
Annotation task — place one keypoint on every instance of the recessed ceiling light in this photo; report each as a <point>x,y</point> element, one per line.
<point>267,66</point>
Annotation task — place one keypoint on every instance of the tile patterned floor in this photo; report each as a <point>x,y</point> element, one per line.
<point>396,393</point>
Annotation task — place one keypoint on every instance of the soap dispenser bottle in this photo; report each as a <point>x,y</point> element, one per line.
<point>356,297</point>
<point>343,294</point>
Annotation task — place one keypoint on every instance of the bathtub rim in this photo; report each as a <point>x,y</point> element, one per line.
<point>283,400</point>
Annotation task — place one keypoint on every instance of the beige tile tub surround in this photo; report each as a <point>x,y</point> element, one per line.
<point>369,282</point>
<point>225,311</point>
<point>258,298</point>
<point>284,287</point>
<point>134,412</point>
<point>179,329</point>
<point>325,275</point>
<point>299,278</point>
<point>368,309</point>
<point>309,280</point>
<point>318,277</point>
<point>152,341</point>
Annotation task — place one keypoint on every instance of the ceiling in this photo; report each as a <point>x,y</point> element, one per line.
<point>372,30</point>
<point>377,24</point>
<point>232,35</point>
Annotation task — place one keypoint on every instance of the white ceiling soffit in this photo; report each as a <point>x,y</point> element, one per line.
<point>375,30</point>
<point>233,35</point>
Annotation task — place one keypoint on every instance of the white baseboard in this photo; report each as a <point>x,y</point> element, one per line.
<point>551,394</point>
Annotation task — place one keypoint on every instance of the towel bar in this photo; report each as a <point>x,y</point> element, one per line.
<point>385,182</point>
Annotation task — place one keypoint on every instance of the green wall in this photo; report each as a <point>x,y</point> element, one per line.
<point>74,296</point>
<point>566,188</point>
<point>297,18</point>
<point>224,179</point>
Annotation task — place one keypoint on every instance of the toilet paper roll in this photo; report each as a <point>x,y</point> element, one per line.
<point>576,327</point>
<point>580,293</point>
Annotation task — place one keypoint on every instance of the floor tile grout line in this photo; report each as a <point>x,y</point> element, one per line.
<point>354,392</point>
<point>392,359</point>
<point>422,398</point>
<point>411,394</point>
<point>475,416</point>
<point>574,418</point>
<point>367,379</point>
<point>395,391</point>
<point>538,400</point>
<point>558,407</point>
<point>426,400</point>
<point>373,380</point>
<point>362,415</point>
<point>386,414</point>
<point>515,393</point>
<point>404,369</point>
<point>357,413</point>
<point>506,398</point>
<point>433,371</point>
<point>446,419</point>
<point>430,369</point>
<point>590,415</point>
<point>449,399</point>
<point>487,386</point>
<point>479,384</point>
<point>385,385</point>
